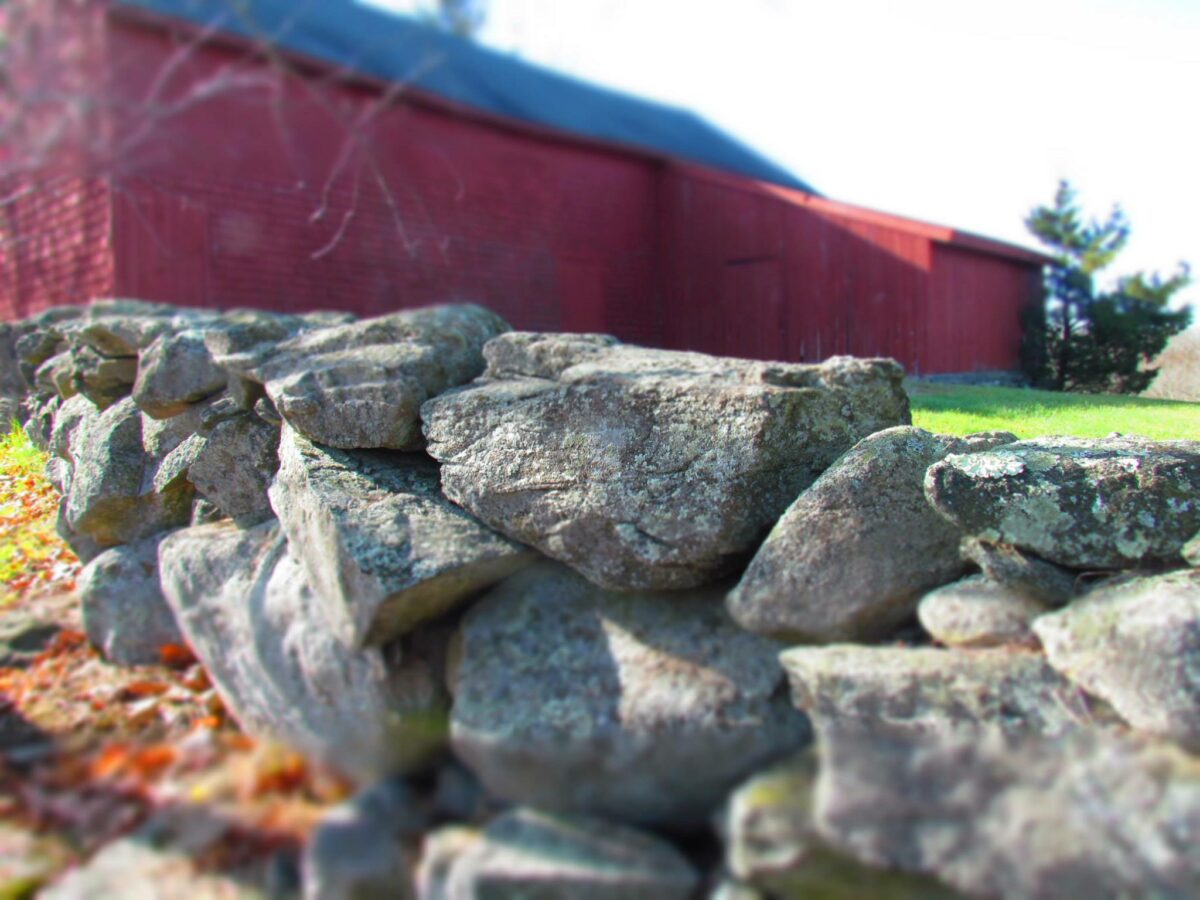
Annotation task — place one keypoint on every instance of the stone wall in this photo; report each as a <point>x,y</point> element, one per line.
<point>562,605</point>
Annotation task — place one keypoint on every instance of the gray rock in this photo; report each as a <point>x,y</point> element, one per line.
<point>112,498</point>
<point>440,850</point>
<point>233,467</point>
<point>174,372</point>
<point>647,468</point>
<point>931,690</point>
<point>34,347</point>
<point>103,380</point>
<point>1035,578</point>
<point>361,385</point>
<point>1135,643</point>
<point>358,850</point>
<point>1191,551</point>
<point>642,707</point>
<point>246,610</point>
<point>772,843</point>
<point>71,419</point>
<point>38,411</point>
<point>542,856</point>
<point>1109,503</point>
<point>1091,814</point>
<point>978,612</point>
<point>851,557</point>
<point>381,545</point>
<point>23,636</point>
<point>125,613</point>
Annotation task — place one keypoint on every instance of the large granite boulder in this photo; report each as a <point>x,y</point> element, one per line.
<point>928,690</point>
<point>174,372</point>
<point>851,557</point>
<point>1100,504</point>
<point>378,541</point>
<point>361,385</point>
<point>1091,814</point>
<point>247,611</point>
<point>125,613</point>
<point>1135,643</point>
<point>644,707</point>
<point>647,469</point>
<point>526,853</point>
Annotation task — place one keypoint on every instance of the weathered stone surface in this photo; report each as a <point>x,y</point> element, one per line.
<point>1191,550</point>
<point>642,707</point>
<point>361,385</point>
<point>931,690</point>
<point>174,372</point>
<point>72,418</point>
<point>358,850</point>
<point>381,545</point>
<point>647,468</point>
<point>978,612</point>
<point>851,557</point>
<point>112,498</point>
<point>1019,571</point>
<point>234,465</point>
<point>1091,814</point>
<point>771,842</point>
<point>246,610</point>
<point>125,613</point>
<point>1107,503</point>
<point>103,380</point>
<point>1136,643</point>
<point>533,854</point>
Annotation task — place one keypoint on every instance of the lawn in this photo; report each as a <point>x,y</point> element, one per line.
<point>962,409</point>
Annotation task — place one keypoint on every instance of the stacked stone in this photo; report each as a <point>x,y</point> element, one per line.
<point>535,565</point>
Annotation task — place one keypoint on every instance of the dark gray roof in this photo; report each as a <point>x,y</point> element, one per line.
<point>393,48</point>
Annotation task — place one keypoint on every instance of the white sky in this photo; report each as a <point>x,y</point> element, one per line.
<point>961,112</point>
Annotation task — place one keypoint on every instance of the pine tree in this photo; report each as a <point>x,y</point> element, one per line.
<point>1088,339</point>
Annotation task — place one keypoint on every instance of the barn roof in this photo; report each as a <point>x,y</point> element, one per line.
<point>383,45</point>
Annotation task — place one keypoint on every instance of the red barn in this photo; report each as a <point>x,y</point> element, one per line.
<point>303,154</point>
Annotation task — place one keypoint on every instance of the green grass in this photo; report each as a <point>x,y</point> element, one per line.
<point>962,409</point>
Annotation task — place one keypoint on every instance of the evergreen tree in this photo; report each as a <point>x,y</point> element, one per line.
<point>1087,339</point>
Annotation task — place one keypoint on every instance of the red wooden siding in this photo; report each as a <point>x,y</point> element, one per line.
<point>288,188</point>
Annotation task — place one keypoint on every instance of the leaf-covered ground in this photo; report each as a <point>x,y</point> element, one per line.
<point>91,752</point>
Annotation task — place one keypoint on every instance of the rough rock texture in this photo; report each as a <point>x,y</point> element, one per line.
<point>125,613</point>
<point>930,690</point>
<point>1020,572</point>
<point>361,385</point>
<point>379,542</point>
<point>978,612</point>
<point>1136,643</point>
<point>248,613</point>
<point>174,372</point>
<point>771,842</point>
<point>1104,503</point>
<point>541,856</point>
<point>112,499</point>
<point>851,557</point>
<point>643,707</point>
<point>103,380</point>
<point>358,850</point>
<point>647,468</point>
<point>1085,815</point>
<point>234,464</point>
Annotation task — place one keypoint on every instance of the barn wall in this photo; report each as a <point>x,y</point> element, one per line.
<point>292,194</point>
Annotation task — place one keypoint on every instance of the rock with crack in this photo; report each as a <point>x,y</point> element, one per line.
<point>381,545</point>
<point>361,385</point>
<point>125,613</point>
<point>978,612</point>
<point>1136,643</point>
<point>644,707</point>
<point>1090,814</point>
<point>1021,572</point>
<point>934,690</point>
<point>247,611</point>
<point>647,469</point>
<point>1099,504</point>
<point>112,499</point>
<point>526,853</point>
<point>232,466</point>
<point>174,372</point>
<point>851,557</point>
<point>771,842</point>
